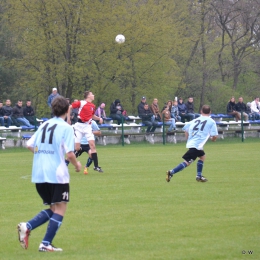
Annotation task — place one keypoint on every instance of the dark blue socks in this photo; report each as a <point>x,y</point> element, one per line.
<point>89,162</point>
<point>179,168</point>
<point>39,219</point>
<point>52,228</point>
<point>199,168</point>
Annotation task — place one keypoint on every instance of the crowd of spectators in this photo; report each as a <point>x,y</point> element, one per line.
<point>17,115</point>
<point>172,111</point>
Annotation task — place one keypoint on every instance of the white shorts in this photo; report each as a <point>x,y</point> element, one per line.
<point>83,129</point>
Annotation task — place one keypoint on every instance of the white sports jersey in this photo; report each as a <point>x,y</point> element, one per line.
<point>94,127</point>
<point>51,141</point>
<point>200,129</point>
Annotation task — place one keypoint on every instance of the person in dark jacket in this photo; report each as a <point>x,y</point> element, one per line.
<point>116,110</point>
<point>28,112</point>
<point>231,109</point>
<point>1,114</point>
<point>146,114</point>
<point>182,110</point>
<point>241,108</point>
<point>8,112</point>
<point>140,107</point>
<point>190,109</point>
<point>18,114</point>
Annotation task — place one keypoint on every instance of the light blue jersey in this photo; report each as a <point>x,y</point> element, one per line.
<point>199,130</point>
<point>51,141</point>
<point>94,127</point>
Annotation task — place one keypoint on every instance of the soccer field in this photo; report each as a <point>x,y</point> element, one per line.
<point>131,212</point>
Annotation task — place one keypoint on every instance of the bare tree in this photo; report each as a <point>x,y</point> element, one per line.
<point>239,20</point>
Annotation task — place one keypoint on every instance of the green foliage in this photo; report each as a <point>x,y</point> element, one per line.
<point>71,45</point>
<point>172,48</point>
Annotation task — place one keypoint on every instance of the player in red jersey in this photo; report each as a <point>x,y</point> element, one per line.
<point>83,127</point>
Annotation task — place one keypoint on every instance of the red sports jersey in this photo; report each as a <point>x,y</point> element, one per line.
<point>86,110</point>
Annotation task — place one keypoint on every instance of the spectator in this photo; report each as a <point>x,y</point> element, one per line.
<point>146,114</point>
<point>231,109</point>
<point>255,108</point>
<point>2,123</point>
<point>116,110</point>
<point>241,108</point>
<point>100,112</point>
<point>167,120</point>
<point>249,112</point>
<point>175,111</point>
<point>190,109</point>
<point>18,114</point>
<point>140,107</point>
<point>51,97</point>
<point>28,112</point>
<point>167,105</point>
<point>74,114</point>
<point>182,110</point>
<point>8,112</point>
<point>156,111</point>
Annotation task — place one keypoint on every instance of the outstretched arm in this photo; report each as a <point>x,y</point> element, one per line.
<point>68,115</point>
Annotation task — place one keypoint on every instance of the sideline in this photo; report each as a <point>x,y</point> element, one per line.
<point>26,177</point>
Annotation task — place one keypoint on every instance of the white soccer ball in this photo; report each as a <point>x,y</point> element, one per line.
<point>120,38</point>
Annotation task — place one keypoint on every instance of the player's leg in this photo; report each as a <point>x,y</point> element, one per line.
<point>77,153</point>
<point>89,161</point>
<point>178,168</point>
<point>188,157</point>
<point>25,228</point>
<point>79,133</point>
<point>94,153</point>
<point>60,197</point>
<point>91,141</point>
<point>200,165</point>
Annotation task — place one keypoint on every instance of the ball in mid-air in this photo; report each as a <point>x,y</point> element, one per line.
<point>120,38</point>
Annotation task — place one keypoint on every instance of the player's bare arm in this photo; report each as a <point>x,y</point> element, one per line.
<point>31,149</point>
<point>97,118</point>
<point>97,133</point>
<point>68,117</point>
<point>72,158</point>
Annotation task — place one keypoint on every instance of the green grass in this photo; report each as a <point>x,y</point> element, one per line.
<point>131,212</point>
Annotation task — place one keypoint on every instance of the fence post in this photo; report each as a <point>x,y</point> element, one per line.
<point>242,126</point>
<point>123,137</point>
<point>163,129</point>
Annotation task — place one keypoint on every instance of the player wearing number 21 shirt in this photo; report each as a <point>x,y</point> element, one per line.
<point>197,133</point>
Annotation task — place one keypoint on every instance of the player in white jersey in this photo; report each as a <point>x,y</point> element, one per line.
<point>84,147</point>
<point>197,132</point>
<point>50,143</point>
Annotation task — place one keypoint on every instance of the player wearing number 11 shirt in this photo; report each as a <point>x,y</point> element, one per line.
<point>197,132</point>
<point>50,143</point>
